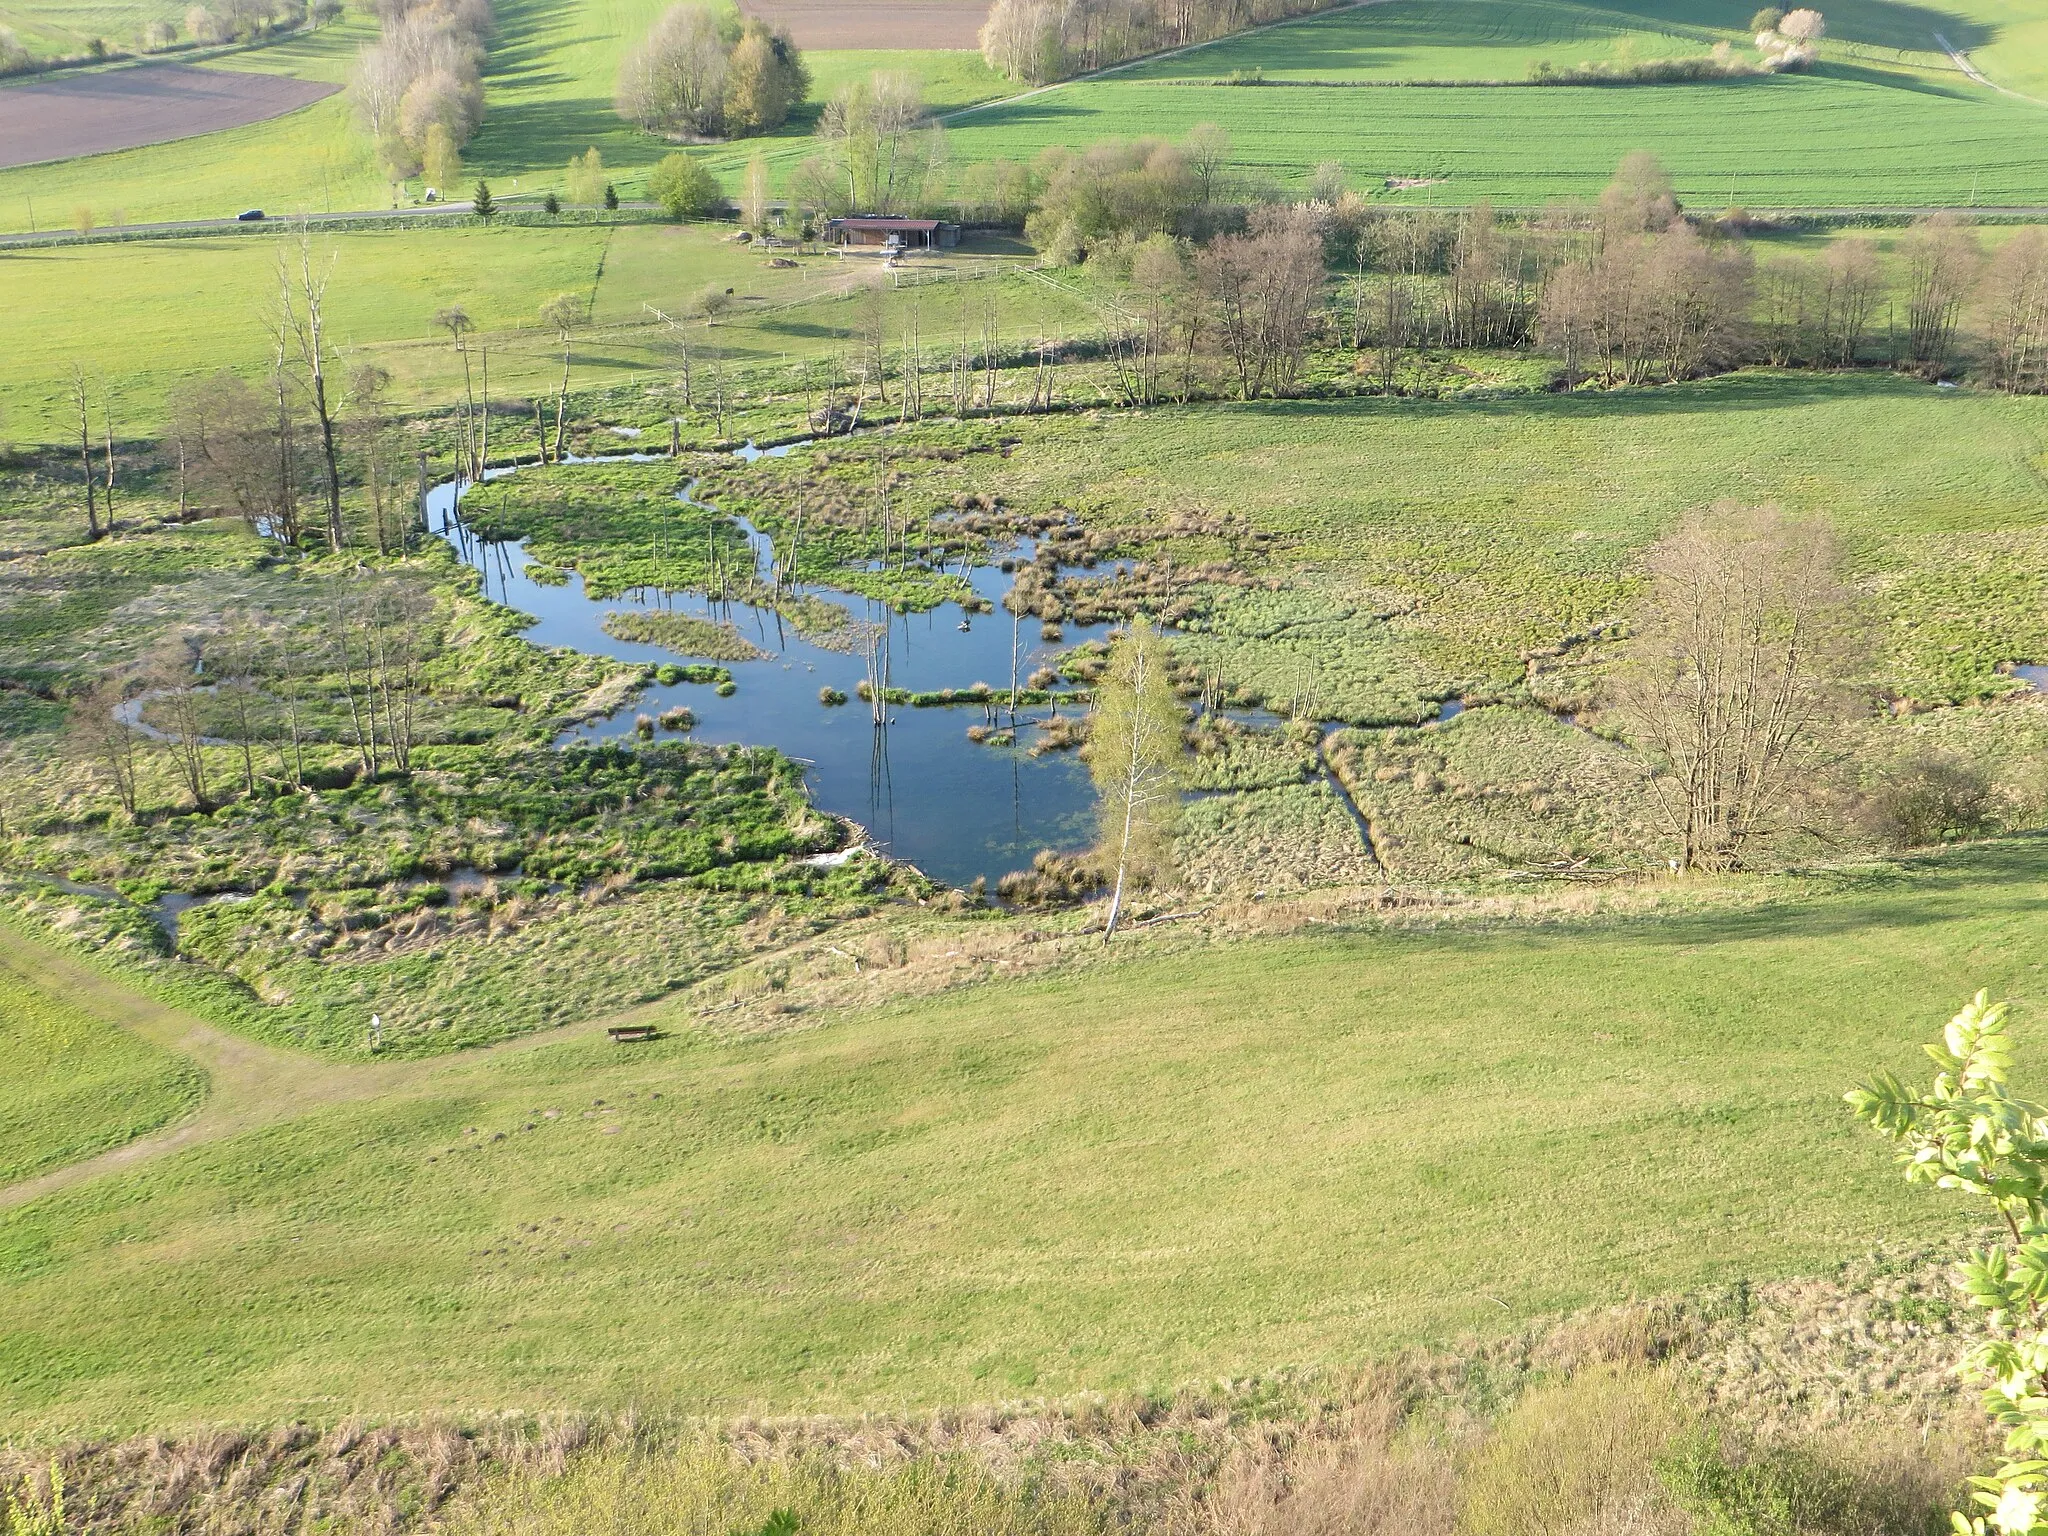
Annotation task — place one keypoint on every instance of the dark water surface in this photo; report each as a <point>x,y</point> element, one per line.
<point>924,792</point>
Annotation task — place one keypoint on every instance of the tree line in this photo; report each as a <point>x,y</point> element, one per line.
<point>1628,290</point>
<point>258,692</point>
<point>1044,40</point>
<point>278,453</point>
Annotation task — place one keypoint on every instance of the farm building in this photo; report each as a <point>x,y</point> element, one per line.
<point>890,232</point>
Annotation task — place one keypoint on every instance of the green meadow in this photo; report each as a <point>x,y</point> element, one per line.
<point>76,1083</point>
<point>1188,1163</point>
<point>140,316</point>
<point>1834,138</point>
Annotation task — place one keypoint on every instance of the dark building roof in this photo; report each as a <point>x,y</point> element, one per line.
<point>885,223</point>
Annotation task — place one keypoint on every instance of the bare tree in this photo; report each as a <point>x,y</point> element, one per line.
<point>1942,258</point>
<point>562,314</point>
<point>239,453</point>
<point>1850,282</point>
<point>2016,312</point>
<point>301,325</point>
<point>175,685</point>
<point>879,142</point>
<point>103,741</point>
<point>379,461</point>
<point>1737,669</point>
<point>456,322</point>
<point>1567,320</point>
<point>83,401</point>
<point>1784,311</point>
<point>1699,302</point>
<point>1638,200</point>
<point>1264,287</point>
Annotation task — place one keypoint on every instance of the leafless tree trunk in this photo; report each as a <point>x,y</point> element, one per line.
<point>100,739</point>
<point>83,401</point>
<point>2016,318</point>
<point>175,685</point>
<point>302,300</point>
<point>107,423</point>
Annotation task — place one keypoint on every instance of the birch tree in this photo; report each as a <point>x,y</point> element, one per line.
<point>1135,753</point>
<point>562,314</point>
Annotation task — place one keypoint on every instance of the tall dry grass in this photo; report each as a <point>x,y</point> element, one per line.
<point>1579,1458</point>
<point>705,1488</point>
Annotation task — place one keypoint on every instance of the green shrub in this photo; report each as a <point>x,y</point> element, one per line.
<point>1874,1485</point>
<point>684,188</point>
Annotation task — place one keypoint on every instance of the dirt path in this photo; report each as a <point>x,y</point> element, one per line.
<point>1962,62</point>
<point>249,1084</point>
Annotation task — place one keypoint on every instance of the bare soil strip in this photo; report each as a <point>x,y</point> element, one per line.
<point>831,24</point>
<point>127,108</point>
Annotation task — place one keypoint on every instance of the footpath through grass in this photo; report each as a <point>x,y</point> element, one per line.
<point>1193,1162</point>
<point>76,1085</point>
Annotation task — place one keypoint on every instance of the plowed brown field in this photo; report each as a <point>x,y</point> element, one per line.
<point>827,24</point>
<point>124,108</point>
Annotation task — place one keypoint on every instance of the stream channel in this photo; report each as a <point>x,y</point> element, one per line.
<point>924,792</point>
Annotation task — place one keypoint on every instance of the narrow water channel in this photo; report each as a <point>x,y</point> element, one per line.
<point>924,792</point>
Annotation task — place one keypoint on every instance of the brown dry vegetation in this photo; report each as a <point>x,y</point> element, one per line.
<point>1837,1388</point>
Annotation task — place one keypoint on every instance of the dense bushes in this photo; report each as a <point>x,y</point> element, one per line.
<point>684,188</point>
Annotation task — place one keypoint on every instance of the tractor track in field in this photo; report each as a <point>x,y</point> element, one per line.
<point>1977,76</point>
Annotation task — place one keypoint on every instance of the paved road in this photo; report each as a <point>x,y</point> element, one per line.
<point>203,226</point>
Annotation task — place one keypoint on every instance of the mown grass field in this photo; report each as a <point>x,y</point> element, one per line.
<point>1189,1163</point>
<point>1830,139</point>
<point>140,316</point>
<point>1437,40</point>
<point>549,84</point>
<point>1449,40</point>
<point>77,1085</point>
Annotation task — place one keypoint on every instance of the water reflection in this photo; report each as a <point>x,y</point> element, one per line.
<point>923,790</point>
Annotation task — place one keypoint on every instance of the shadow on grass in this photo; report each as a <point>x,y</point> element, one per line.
<point>2005,880</point>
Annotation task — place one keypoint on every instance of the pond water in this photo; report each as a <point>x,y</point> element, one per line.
<point>924,792</point>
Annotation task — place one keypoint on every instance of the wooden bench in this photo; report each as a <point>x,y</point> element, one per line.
<point>625,1034</point>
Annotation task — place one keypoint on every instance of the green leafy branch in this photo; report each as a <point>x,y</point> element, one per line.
<point>1969,1132</point>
